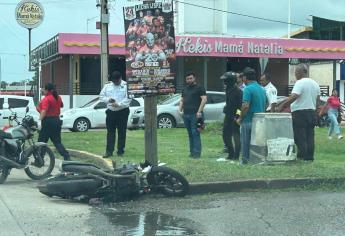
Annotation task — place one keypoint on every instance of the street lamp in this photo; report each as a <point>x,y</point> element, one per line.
<point>87,23</point>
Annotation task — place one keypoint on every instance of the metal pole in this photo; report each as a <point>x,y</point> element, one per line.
<point>334,75</point>
<point>0,76</point>
<point>39,79</point>
<point>104,42</point>
<point>289,19</point>
<point>29,49</point>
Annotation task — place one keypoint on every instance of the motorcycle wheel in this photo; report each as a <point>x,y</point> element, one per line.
<point>169,181</point>
<point>69,186</point>
<point>36,170</point>
<point>4,171</point>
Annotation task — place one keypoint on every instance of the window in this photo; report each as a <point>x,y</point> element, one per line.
<point>101,105</point>
<point>17,103</point>
<point>215,98</point>
<point>1,103</point>
<point>134,103</point>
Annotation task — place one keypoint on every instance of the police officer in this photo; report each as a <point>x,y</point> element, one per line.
<point>231,130</point>
<point>114,94</point>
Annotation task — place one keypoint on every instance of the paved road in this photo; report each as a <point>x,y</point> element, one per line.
<point>24,211</point>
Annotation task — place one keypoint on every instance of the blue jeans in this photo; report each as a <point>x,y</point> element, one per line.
<point>334,125</point>
<point>190,122</point>
<point>246,132</point>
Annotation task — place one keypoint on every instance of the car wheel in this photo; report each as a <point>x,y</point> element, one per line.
<point>166,122</point>
<point>81,125</point>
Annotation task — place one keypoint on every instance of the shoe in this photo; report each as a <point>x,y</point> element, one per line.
<point>194,156</point>
<point>222,159</point>
<point>243,162</point>
<point>329,137</point>
<point>340,136</point>
<point>120,153</point>
<point>107,155</point>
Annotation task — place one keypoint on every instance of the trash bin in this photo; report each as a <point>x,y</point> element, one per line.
<point>272,138</point>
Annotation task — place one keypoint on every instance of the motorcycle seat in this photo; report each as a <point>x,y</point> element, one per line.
<point>5,135</point>
<point>77,163</point>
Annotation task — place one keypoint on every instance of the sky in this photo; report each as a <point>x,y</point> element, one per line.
<point>79,16</point>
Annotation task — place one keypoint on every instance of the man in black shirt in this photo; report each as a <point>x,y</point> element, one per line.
<point>231,130</point>
<point>191,108</point>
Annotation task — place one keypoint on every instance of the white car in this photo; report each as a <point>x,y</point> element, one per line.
<point>17,104</point>
<point>168,115</point>
<point>92,115</point>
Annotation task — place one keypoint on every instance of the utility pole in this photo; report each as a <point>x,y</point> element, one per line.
<point>289,19</point>
<point>0,75</point>
<point>104,41</point>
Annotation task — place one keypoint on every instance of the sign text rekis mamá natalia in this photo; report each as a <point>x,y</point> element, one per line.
<point>203,46</point>
<point>29,13</point>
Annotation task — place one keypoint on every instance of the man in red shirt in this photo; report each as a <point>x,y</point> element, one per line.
<point>49,109</point>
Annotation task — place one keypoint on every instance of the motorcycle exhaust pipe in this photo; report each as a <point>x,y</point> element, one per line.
<point>11,163</point>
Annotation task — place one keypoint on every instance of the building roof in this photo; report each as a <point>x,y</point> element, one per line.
<point>299,31</point>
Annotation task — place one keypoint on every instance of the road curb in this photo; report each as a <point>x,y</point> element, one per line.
<point>252,185</point>
<point>232,186</point>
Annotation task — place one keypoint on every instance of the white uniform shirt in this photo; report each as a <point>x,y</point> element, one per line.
<point>116,92</point>
<point>271,94</point>
<point>308,90</point>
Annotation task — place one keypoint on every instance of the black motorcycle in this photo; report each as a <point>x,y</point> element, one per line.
<point>79,179</point>
<point>19,150</point>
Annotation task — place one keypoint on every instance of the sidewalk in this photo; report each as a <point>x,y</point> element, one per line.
<point>232,186</point>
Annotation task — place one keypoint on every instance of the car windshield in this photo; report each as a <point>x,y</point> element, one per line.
<point>90,103</point>
<point>171,99</point>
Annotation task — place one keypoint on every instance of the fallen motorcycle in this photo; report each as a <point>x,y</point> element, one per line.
<point>19,150</point>
<point>78,179</point>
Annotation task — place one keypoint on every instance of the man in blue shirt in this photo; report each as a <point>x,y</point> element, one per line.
<point>253,101</point>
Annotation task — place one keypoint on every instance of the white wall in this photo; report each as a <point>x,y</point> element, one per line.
<point>322,73</point>
<point>197,20</point>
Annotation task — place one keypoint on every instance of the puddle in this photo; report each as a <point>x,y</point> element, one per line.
<point>150,223</point>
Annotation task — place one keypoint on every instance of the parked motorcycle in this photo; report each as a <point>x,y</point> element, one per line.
<point>79,179</point>
<point>19,150</point>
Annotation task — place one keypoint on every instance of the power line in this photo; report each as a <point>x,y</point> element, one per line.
<point>47,2</point>
<point>240,14</point>
<point>13,54</point>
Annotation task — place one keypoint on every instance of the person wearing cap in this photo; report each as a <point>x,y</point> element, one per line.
<point>231,130</point>
<point>253,101</point>
<point>191,108</point>
<point>114,94</point>
<point>271,92</point>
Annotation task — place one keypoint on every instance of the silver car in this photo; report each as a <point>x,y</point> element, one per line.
<point>168,115</point>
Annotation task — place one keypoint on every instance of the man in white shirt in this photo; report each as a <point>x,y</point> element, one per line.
<point>114,94</point>
<point>304,100</point>
<point>271,92</point>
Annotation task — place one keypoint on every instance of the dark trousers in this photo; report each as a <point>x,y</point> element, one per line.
<point>231,137</point>
<point>303,123</point>
<point>116,120</point>
<point>51,129</point>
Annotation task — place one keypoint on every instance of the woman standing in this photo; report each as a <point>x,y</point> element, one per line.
<point>49,109</point>
<point>334,106</point>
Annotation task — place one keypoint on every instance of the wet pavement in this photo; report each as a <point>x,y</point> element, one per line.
<point>24,211</point>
